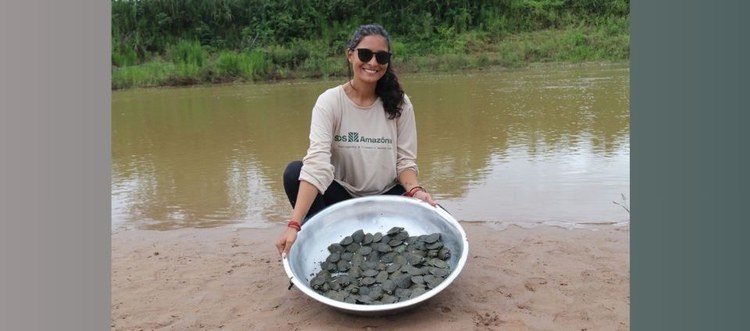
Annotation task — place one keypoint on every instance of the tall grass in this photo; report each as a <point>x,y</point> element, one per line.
<point>248,66</point>
<point>190,59</point>
<point>150,74</point>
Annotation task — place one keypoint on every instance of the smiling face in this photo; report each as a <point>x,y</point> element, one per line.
<point>368,72</point>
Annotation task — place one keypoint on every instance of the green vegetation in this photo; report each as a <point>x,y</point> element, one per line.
<point>180,42</point>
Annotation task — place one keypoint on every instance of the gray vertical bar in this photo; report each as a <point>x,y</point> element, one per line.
<point>689,72</point>
<point>54,168</point>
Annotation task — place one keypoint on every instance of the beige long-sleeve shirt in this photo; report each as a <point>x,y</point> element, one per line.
<point>358,147</point>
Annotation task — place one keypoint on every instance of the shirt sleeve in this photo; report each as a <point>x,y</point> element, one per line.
<point>316,165</point>
<point>406,152</point>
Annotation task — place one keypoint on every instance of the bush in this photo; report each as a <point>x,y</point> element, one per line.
<point>124,58</point>
<point>187,53</point>
<point>232,64</point>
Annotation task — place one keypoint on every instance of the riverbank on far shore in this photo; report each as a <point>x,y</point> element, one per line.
<point>609,43</point>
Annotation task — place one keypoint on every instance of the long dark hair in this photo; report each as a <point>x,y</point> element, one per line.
<point>388,88</point>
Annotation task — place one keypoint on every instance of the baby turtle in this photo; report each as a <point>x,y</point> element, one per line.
<point>431,238</point>
<point>394,230</point>
<point>346,241</point>
<point>333,258</point>
<point>358,236</point>
<point>335,248</point>
<point>367,239</point>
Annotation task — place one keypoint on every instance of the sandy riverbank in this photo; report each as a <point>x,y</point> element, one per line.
<point>542,278</point>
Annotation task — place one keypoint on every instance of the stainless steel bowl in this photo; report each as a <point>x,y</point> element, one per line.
<point>372,214</point>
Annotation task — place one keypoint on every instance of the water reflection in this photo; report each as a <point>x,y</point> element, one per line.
<point>547,144</point>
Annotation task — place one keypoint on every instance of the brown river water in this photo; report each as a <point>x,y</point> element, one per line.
<point>543,145</point>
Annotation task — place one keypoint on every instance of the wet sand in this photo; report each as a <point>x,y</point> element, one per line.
<point>540,278</point>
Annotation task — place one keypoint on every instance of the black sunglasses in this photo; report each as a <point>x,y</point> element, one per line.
<point>365,55</point>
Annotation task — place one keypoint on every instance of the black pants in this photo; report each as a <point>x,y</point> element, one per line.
<point>335,192</point>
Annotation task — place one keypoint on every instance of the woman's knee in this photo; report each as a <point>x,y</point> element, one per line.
<point>292,171</point>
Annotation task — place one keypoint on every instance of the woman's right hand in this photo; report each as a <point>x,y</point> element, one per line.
<point>284,244</point>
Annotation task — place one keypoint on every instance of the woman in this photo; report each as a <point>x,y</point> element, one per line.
<point>363,138</point>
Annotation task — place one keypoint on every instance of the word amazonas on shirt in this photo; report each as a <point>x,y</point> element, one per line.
<point>355,137</point>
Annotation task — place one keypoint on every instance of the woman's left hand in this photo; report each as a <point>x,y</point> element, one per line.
<point>424,196</point>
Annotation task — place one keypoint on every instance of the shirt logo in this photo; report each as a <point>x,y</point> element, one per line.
<point>354,137</point>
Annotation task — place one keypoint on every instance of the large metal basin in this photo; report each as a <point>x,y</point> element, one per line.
<point>372,214</point>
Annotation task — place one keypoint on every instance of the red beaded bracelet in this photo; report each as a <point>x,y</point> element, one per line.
<point>294,225</point>
<point>413,191</point>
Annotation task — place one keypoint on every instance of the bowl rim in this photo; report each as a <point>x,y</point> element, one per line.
<point>359,308</point>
